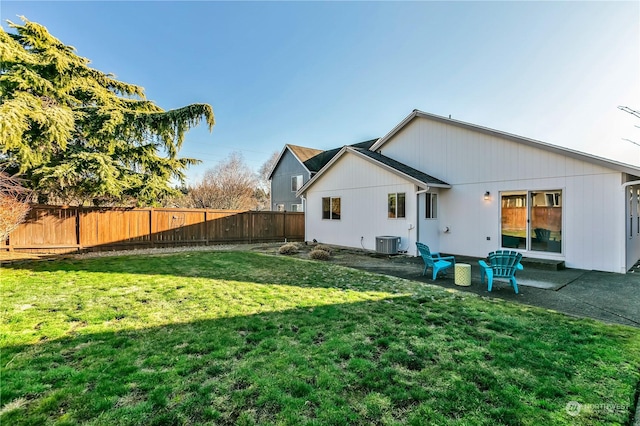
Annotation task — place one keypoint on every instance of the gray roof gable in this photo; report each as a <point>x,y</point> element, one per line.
<point>317,162</point>
<point>300,153</point>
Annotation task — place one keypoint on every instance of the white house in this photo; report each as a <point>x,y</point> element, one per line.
<point>468,190</point>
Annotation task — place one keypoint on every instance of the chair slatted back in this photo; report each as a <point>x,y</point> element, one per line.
<point>542,234</point>
<point>504,262</point>
<point>425,253</point>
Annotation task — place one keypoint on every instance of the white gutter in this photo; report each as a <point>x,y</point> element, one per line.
<point>632,183</point>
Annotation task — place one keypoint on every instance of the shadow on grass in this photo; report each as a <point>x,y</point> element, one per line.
<point>228,265</point>
<point>421,360</point>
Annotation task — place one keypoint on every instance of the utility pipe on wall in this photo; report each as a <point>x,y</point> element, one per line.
<point>422,191</point>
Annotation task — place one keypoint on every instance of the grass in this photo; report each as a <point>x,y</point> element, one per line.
<point>246,338</point>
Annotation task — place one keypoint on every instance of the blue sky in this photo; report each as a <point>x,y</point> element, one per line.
<point>327,74</point>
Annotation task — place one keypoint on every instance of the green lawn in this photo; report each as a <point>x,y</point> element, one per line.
<point>247,338</point>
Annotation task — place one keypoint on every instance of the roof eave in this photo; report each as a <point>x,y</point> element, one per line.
<point>398,172</point>
<point>275,165</point>
<point>320,172</point>
<point>578,155</point>
<point>395,130</point>
<point>390,169</point>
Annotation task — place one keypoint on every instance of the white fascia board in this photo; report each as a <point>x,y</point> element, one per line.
<point>393,131</point>
<point>275,165</point>
<point>571,153</point>
<point>320,172</point>
<point>346,149</point>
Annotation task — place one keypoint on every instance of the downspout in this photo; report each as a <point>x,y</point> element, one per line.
<point>422,191</point>
<point>304,209</point>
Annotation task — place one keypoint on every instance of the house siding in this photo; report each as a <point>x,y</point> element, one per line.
<point>472,162</point>
<point>281,181</point>
<point>363,189</point>
<point>632,222</point>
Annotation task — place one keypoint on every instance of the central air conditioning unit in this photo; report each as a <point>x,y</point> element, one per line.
<point>387,244</point>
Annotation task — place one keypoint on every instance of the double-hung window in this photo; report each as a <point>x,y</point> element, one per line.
<point>396,204</point>
<point>296,183</point>
<point>331,208</point>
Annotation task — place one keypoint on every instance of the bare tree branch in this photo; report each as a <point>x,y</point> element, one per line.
<point>13,203</point>
<point>629,140</point>
<point>630,111</point>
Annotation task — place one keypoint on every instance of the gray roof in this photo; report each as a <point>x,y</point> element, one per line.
<point>402,168</point>
<point>409,173</point>
<point>315,163</point>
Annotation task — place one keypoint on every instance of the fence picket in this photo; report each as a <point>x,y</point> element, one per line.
<point>55,229</point>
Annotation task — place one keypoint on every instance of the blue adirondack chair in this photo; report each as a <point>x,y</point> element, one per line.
<point>542,235</point>
<point>502,264</point>
<point>434,260</point>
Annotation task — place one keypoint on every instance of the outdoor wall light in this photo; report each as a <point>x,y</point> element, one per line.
<point>487,195</point>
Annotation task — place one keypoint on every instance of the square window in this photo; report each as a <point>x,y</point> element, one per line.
<point>396,205</point>
<point>331,208</point>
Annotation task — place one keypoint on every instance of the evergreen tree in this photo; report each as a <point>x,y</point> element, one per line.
<point>79,135</point>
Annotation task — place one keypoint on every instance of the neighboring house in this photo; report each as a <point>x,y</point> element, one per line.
<point>293,168</point>
<point>288,175</point>
<point>468,190</point>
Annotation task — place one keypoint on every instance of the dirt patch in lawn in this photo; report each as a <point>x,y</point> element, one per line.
<point>398,265</point>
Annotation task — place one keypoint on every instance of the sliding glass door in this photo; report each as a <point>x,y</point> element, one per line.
<point>545,229</point>
<point>532,220</point>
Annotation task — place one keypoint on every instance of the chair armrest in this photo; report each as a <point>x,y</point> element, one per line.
<point>451,258</point>
<point>484,264</point>
<point>437,256</point>
<point>519,266</point>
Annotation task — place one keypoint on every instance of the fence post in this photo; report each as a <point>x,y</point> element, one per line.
<point>284,226</point>
<point>206,229</point>
<point>251,227</point>
<point>151,238</point>
<point>78,239</point>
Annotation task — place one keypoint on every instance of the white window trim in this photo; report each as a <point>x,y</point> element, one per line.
<point>330,209</point>
<point>434,212</point>
<point>396,212</point>
<point>299,182</point>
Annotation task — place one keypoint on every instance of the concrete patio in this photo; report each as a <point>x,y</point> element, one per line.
<point>604,296</point>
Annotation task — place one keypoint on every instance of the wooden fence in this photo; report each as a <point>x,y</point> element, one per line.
<point>53,229</point>
<point>515,218</point>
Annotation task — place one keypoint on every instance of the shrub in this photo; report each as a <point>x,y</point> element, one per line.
<point>323,247</point>
<point>318,254</point>
<point>289,248</point>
